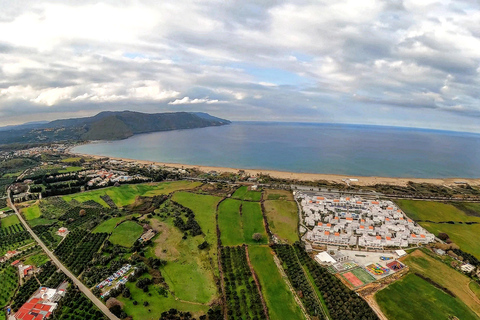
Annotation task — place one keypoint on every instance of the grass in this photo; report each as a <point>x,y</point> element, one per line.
<point>229,222</point>
<point>126,194</point>
<point>72,159</point>
<point>32,212</point>
<point>465,236</point>
<point>10,221</point>
<point>272,194</point>
<point>475,288</point>
<point>70,169</point>
<point>126,234</point>
<point>458,283</point>
<point>280,301</point>
<point>157,304</point>
<point>410,297</point>
<point>37,260</point>
<point>205,208</point>
<point>190,272</point>
<point>40,221</point>
<point>109,225</point>
<point>243,193</point>
<point>434,211</point>
<point>282,217</point>
<point>252,222</point>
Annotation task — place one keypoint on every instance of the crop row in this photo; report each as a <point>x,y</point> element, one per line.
<point>243,297</point>
<point>9,281</point>
<point>342,303</point>
<point>16,228</point>
<point>298,279</point>
<point>44,232</point>
<point>78,248</point>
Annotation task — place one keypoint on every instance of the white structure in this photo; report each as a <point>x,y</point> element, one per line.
<point>467,268</point>
<point>324,258</point>
<point>352,221</point>
<point>400,253</point>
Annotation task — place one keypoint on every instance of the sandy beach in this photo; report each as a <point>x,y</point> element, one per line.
<point>362,181</point>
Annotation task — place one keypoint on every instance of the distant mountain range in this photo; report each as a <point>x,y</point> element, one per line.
<point>107,125</point>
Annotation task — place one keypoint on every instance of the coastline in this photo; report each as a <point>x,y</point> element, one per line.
<point>362,180</point>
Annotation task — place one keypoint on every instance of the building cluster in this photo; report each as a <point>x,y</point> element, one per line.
<point>352,221</point>
<point>23,270</point>
<point>102,178</point>
<point>41,304</point>
<point>121,274</point>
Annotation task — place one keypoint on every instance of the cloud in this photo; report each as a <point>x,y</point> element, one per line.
<point>325,61</point>
<point>187,100</point>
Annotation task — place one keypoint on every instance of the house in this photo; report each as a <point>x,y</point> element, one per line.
<point>467,268</point>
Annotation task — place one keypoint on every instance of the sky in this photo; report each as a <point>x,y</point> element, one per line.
<point>384,62</point>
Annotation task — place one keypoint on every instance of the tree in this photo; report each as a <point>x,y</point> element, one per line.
<point>257,236</point>
<point>82,212</point>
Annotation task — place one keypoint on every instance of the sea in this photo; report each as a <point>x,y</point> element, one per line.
<point>356,150</point>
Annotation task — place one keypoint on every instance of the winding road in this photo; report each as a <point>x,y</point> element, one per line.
<point>57,262</point>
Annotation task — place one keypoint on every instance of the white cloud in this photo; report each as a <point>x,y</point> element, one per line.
<point>187,100</point>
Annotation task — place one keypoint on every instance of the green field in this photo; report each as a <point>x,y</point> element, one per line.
<point>190,271</point>
<point>229,222</point>
<point>9,221</point>
<point>280,301</point>
<point>475,287</point>
<point>410,297</point>
<point>40,221</point>
<point>158,304</point>
<point>433,211</point>
<point>465,236</point>
<point>32,212</point>
<point>109,225</point>
<point>37,259</point>
<point>243,193</point>
<point>72,159</point>
<point>274,194</point>
<point>70,169</point>
<point>236,228</point>
<point>252,222</point>
<point>205,208</point>
<point>126,234</point>
<point>126,194</point>
<point>455,281</point>
<point>282,217</point>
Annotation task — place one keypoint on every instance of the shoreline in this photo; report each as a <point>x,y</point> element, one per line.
<point>362,180</point>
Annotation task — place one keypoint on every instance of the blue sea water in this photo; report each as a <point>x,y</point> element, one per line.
<point>312,148</point>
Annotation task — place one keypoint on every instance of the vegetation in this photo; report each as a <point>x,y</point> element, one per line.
<point>242,295</point>
<point>126,234</point>
<point>9,221</point>
<point>243,193</point>
<point>411,296</point>
<point>13,237</point>
<point>282,217</point>
<point>280,301</point>
<point>76,306</point>
<point>434,211</point>
<point>9,281</point>
<point>32,212</point>
<point>444,275</point>
<point>37,260</point>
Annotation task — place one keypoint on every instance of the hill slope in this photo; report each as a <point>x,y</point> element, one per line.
<point>109,125</point>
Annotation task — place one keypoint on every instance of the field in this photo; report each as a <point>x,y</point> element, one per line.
<point>9,221</point>
<point>126,234</point>
<point>158,304</point>
<point>126,194</point>
<point>465,236</point>
<point>72,159</point>
<point>410,297</point>
<point>270,194</point>
<point>229,222</point>
<point>32,212</point>
<point>70,169</point>
<point>108,225</point>
<point>433,211</point>
<point>441,273</point>
<point>280,301</point>
<point>357,277</point>
<point>282,217</point>
<point>37,259</point>
<point>475,288</point>
<point>243,193</point>
<point>236,228</point>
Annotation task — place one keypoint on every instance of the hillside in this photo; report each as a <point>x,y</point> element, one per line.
<point>107,125</point>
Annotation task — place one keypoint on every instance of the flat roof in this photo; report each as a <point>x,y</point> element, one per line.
<point>325,257</point>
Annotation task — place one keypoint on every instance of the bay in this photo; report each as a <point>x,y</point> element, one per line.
<point>308,148</point>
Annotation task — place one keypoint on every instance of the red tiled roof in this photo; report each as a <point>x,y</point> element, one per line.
<point>327,233</point>
<point>378,237</point>
<point>370,227</point>
<point>388,238</point>
<point>350,219</point>
<point>15,262</point>
<point>337,234</point>
<point>362,227</point>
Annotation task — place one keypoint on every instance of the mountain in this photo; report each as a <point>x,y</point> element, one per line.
<point>107,125</point>
<point>28,125</point>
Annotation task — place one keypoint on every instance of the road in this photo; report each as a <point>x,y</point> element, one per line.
<point>57,262</point>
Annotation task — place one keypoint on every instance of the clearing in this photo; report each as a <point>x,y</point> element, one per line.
<point>10,221</point>
<point>32,212</point>
<point>126,234</point>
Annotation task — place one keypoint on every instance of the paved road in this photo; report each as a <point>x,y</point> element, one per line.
<point>57,262</point>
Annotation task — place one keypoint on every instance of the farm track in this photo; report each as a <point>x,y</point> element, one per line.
<point>57,262</point>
